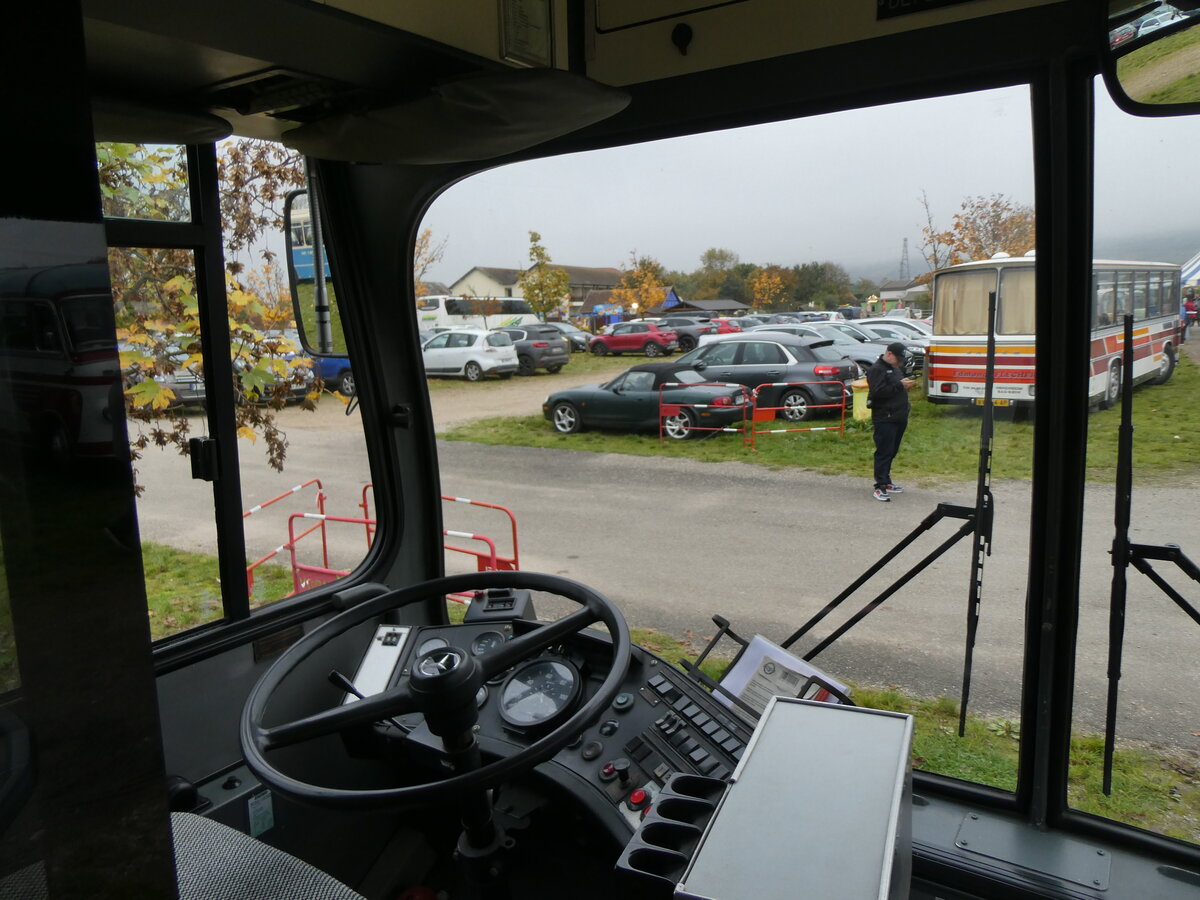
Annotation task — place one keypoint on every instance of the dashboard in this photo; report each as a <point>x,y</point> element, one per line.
<point>661,722</point>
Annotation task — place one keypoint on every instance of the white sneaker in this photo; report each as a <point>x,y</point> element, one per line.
<point>894,489</point>
<point>881,494</point>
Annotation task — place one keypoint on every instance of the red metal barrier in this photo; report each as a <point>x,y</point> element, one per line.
<point>666,408</point>
<point>768,413</point>
<point>305,575</point>
<point>320,500</point>
<point>502,563</point>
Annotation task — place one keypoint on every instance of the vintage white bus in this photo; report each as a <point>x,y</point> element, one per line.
<point>957,361</point>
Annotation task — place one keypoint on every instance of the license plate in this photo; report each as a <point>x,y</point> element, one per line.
<point>996,401</point>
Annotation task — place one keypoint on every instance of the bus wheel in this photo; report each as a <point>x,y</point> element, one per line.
<point>1112,388</point>
<point>1166,367</point>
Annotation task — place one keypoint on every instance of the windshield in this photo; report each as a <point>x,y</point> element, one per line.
<point>89,321</point>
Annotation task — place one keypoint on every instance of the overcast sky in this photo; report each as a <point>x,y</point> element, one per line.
<point>844,187</point>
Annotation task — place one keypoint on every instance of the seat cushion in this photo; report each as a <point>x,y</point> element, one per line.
<point>216,862</point>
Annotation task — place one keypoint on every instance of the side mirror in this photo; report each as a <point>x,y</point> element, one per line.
<point>700,366</point>
<point>1152,61</point>
<point>313,299</point>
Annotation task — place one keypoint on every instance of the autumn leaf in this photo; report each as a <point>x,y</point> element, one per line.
<point>248,433</point>
<point>143,393</point>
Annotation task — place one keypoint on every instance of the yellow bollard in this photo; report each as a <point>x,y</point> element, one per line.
<point>861,412</point>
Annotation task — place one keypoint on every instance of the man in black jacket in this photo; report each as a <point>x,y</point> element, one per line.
<point>888,399</point>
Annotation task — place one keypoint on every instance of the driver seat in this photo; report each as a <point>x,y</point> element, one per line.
<point>216,862</point>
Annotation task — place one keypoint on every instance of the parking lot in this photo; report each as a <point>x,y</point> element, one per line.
<point>675,541</point>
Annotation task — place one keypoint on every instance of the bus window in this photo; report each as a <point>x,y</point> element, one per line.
<point>299,454</point>
<point>1141,288</point>
<point>681,598</point>
<point>144,181</point>
<point>1124,293</point>
<point>1104,309</point>
<point>962,301</point>
<point>1017,305</point>
<point>1153,777</point>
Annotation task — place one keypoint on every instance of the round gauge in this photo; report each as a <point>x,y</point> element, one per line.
<point>539,692</point>
<point>488,640</point>
<point>434,643</point>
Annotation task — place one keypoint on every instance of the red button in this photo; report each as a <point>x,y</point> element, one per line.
<point>637,797</point>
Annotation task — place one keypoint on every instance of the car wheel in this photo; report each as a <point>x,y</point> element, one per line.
<point>1166,367</point>
<point>687,342</point>
<point>680,426</point>
<point>795,406</point>
<point>525,366</point>
<point>554,370</point>
<point>652,349</point>
<point>565,418</point>
<point>1112,388</point>
<point>473,371</point>
<point>600,349</point>
<point>346,383</point>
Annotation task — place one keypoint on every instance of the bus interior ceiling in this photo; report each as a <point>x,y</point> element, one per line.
<point>368,91</point>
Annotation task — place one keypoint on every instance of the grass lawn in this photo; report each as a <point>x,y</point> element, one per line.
<point>941,444</point>
<point>183,589</point>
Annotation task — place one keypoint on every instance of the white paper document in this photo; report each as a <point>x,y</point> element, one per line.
<point>765,670</point>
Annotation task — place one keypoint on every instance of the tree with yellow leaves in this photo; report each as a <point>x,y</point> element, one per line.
<point>982,227</point>
<point>770,286</point>
<point>642,285</point>
<point>543,287</point>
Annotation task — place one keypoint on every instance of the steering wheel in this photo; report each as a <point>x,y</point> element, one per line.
<point>440,684</point>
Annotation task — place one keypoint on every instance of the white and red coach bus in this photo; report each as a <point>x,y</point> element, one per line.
<point>957,359</point>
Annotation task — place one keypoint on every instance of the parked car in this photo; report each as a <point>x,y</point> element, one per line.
<point>631,401</point>
<point>635,337</point>
<point>167,367</point>
<point>538,347</point>
<point>805,374</point>
<point>470,352</point>
<point>689,329</point>
<point>335,371</point>
<point>726,325</point>
<point>576,337</point>
<point>285,345</point>
<point>919,327</point>
<point>916,345</point>
<point>864,354</point>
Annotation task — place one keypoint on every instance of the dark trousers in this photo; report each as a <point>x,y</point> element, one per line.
<point>887,445</point>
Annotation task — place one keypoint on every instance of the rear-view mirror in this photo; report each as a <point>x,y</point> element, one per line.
<point>1153,61</point>
<point>313,296</point>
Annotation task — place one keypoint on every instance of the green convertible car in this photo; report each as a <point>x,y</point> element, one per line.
<point>646,397</point>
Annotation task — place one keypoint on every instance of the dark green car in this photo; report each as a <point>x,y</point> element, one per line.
<point>647,396</point>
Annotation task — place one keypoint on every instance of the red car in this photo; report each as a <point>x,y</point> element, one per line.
<point>726,326</point>
<point>635,337</point>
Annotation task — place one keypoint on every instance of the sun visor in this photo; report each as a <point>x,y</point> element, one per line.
<point>474,118</point>
<point>139,123</point>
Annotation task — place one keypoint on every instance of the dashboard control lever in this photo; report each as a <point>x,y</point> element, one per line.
<point>341,682</point>
<point>621,766</point>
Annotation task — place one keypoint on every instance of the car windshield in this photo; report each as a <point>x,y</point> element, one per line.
<point>684,376</point>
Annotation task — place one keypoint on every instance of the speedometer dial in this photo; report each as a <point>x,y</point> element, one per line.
<point>539,692</point>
